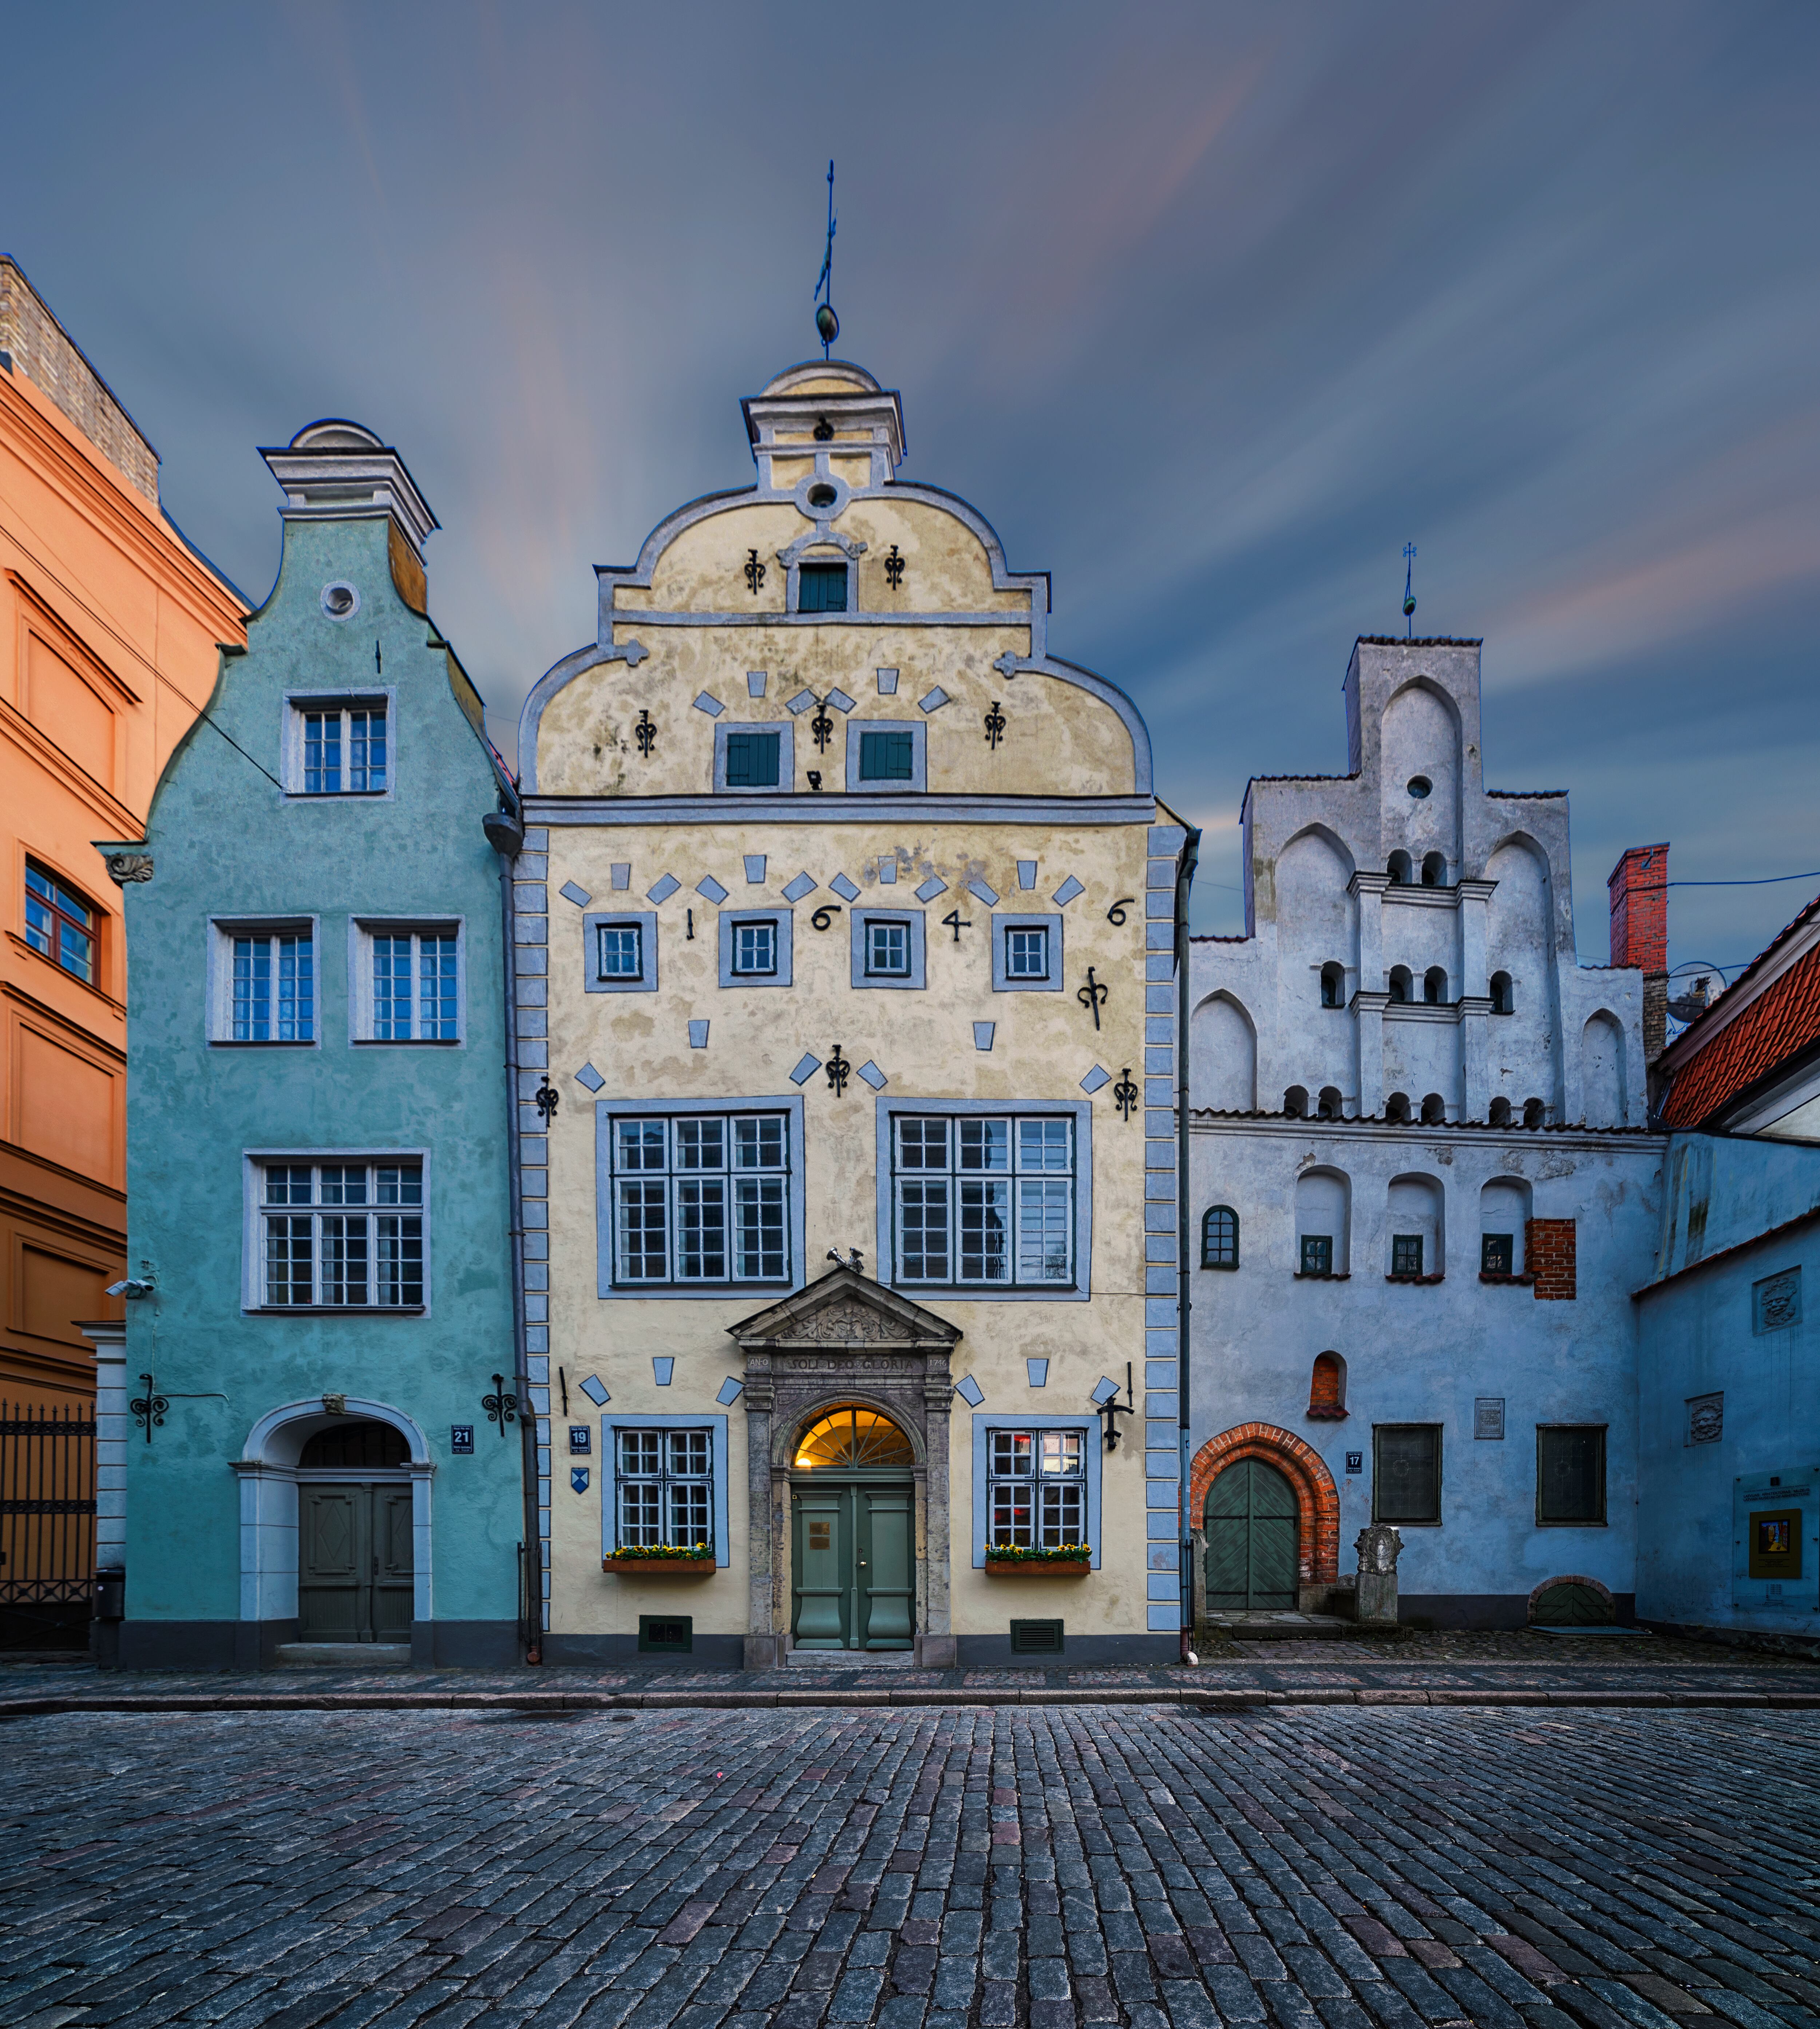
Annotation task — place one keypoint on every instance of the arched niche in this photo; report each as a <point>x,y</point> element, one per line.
<point>1419,745</point>
<point>1602,1094</point>
<point>1414,1215</point>
<point>1505,1211</point>
<point>1223,1048</point>
<point>1323,1213</point>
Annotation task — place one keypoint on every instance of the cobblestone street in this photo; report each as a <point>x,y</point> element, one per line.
<point>924,1869</point>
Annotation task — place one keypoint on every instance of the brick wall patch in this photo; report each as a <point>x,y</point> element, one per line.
<point>1551,1255</point>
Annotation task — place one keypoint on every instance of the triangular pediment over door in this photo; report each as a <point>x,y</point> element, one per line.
<point>847,1308</point>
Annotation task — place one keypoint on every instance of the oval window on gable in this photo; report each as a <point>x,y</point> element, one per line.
<point>852,1440</point>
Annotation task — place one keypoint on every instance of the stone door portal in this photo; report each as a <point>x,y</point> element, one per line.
<point>1252,1526</point>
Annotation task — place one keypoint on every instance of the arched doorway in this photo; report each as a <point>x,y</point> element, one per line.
<point>853,1533</point>
<point>1253,1524</point>
<point>354,1561</point>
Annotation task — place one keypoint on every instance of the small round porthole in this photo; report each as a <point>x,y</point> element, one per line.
<point>823,495</point>
<point>340,601</point>
<point>1420,786</point>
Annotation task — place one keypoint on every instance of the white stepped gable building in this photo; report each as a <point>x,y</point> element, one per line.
<point>1422,1182</point>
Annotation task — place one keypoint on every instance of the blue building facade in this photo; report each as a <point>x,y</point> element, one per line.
<point>310,1435</point>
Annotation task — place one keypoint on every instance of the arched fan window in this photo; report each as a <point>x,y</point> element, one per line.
<point>1220,1237</point>
<point>851,1440</point>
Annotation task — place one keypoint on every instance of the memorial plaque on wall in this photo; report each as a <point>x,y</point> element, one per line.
<point>1488,1416</point>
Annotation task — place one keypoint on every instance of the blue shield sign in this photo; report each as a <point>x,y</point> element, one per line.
<point>578,1477</point>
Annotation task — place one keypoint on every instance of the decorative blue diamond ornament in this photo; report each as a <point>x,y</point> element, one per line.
<point>578,1477</point>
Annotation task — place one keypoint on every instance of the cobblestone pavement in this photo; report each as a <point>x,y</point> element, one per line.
<point>935,1870</point>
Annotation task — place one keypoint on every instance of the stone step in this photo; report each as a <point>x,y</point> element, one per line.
<point>851,1659</point>
<point>343,1655</point>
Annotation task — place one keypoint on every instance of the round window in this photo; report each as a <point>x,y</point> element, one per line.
<point>1420,786</point>
<point>822,496</point>
<point>340,601</point>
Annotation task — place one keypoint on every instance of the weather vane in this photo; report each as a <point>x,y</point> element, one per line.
<point>1408,595</point>
<point>827,324</point>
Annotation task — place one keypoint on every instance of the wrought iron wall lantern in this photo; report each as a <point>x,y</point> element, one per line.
<point>645,732</point>
<point>501,1405</point>
<point>753,572</point>
<point>994,725</point>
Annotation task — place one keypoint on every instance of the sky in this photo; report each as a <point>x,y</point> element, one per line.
<point>1209,310</point>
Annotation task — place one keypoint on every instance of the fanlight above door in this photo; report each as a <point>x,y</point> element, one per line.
<point>846,1440</point>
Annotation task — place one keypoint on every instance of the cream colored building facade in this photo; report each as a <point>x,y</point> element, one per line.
<point>845,945</point>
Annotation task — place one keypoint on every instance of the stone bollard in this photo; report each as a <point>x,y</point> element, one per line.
<point>1378,1547</point>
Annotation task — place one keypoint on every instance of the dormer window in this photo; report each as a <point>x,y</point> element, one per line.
<point>822,587</point>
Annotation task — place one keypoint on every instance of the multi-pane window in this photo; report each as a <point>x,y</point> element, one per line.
<point>888,756</point>
<point>755,948</point>
<point>1406,1472</point>
<point>984,1199</point>
<point>1497,1253</point>
<point>666,1489</point>
<point>821,588</point>
<point>752,760</point>
<point>343,1235</point>
<point>273,987</point>
<point>1220,1237</point>
<point>1317,1254</point>
<point>1026,954</point>
<point>621,953</point>
<point>701,1198</point>
<point>344,749</point>
<point>1570,1475</point>
<point>887,950</point>
<point>59,923</point>
<point>415,986</point>
<point>1405,1253</point>
<point>1036,1489</point>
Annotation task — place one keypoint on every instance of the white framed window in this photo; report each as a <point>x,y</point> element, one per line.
<point>621,953</point>
<point>332,1230</point>
<point>983,1199</point>
<point>703,1199</point>
<point>339,744</point>
<point>888,950</point>
<point>1037,1487</point>
<point>1026,953</point>
<point>667,1485</point>
<point>1036,1483</point>
<point>619,950</point>
<point>409,983</point>
<point>754,948</point>
<point>757,946</point>
<point>263,983</point>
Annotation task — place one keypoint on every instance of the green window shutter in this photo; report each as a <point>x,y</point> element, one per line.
<point>821,588</point>
<point>887,757</point>
<point>752,760</point>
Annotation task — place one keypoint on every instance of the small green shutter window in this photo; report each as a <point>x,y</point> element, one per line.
<point>821,588</point>
<point>1220,1237</point>
<point>887,757</point>
<point>752,760</point>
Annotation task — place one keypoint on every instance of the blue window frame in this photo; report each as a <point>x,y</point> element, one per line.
<point>619,950</point>
<point>1035,1482</point>
<point>669,1477</point>
<point>1026,953</point>
<point>757,946</point>
<point>889,949</point>
<point>344,750</point>
<point>821,588</point>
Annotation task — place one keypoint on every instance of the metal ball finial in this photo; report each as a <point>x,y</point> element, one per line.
<point>826,324</point>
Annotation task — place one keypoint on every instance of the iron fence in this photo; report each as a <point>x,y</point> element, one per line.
<point>47,1504</point>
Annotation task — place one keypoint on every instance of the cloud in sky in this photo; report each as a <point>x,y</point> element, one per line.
<point>1210,309</point>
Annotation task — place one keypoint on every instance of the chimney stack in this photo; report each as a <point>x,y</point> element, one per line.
<point>1638,887</point>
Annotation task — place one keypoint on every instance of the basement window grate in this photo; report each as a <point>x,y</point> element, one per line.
<point>1037,1637</point>
<point>665,1635</point>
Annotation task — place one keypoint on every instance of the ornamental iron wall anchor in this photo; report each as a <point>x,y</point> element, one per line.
<point>1124,1095</point>
<point>839,1071</point>
<point>149,1408</point>
<point>894,567</point>
<point>501,1406</point>
<point>994,725</point>
<point>1092,996</point>
<point>645,732</point>
<point>546,1100</point>
<point>824,428</point>
<point>821,726</point>
<point>754,572</point>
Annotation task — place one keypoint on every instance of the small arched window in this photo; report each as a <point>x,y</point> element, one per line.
<point>1434,986</point>
<point>1434,870</point>
<point>1500,1115</point>
<point>1434,1111</point>
<point>1327,1388</point>
<point>1400,869</point>
<point>1503,999</point>
<point>1295,1102</point>
<point>1396,1107</point>
<point>1327,1107</point>
<point>1535,1113</point>
<point>1220,1237</point>
<point>1332,985</point>
<point>1400,982</point>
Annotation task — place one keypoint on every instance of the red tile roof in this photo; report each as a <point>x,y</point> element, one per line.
<point>1783,1020</point>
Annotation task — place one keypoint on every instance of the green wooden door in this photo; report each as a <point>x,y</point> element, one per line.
<point>822,1558</point>
<point>1252,1526</point>
<point>355,1568</point>
<point>887,1571</point>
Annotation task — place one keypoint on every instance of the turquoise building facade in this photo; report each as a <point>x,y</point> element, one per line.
<point>310,1434</point>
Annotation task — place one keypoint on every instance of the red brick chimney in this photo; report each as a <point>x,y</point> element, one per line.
<point>1638,887</point>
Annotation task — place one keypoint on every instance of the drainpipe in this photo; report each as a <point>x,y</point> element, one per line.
<point>505,830</point>
<point>1184,881</point>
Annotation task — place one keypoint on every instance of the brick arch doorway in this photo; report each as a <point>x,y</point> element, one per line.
<point>1290,1466</point>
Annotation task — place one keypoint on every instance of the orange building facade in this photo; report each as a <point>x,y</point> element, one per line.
<point>109,631</point>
